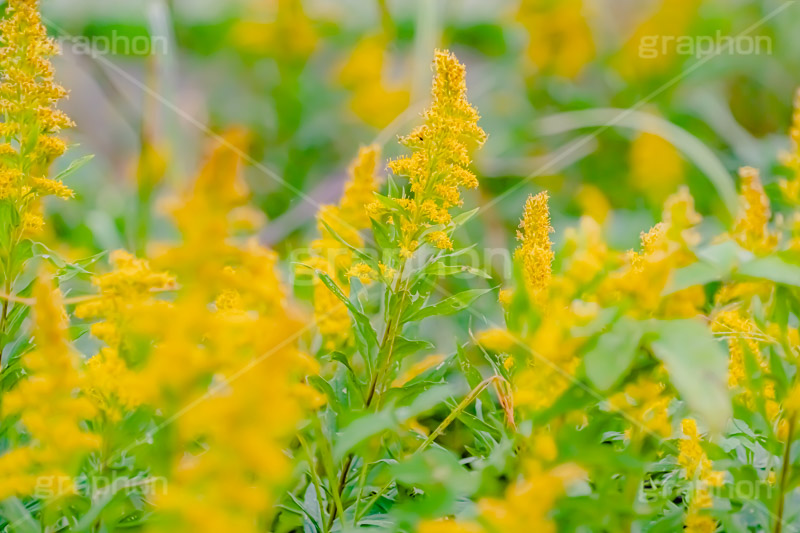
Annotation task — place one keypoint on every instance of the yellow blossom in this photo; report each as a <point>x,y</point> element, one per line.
<point>559,37</point>
<point>645,403</point>
<point>656,166</point>
<point>439,164</point>
<point>28,139</point>
<point>440,240</point>
<point>751,227</point>
<point>535,251</point>
<point>49,402</point>
<point>375,99</point>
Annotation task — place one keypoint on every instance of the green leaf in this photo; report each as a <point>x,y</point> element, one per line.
<point>439,269</point>
<point>463,218</point>
<point>361,319</point>
<point>724,256</point>
<point>19,518</point>
<point>309,511</point>
<point>697,366</point>
<point>390,203</point>
<point>74,166</point>
<point>368,259</point>
<point>382,234</point>
<point>9,220</point>
<point>773,268</point>
<point>41,250</point>
<point>608,361</point>
<point>404,347</point>
<point>448,306</point>
<point>390,417</point>
<point>699,273</point>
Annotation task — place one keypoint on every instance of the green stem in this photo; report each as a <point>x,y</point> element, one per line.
<point>316,482</point>
<point>474,393</point>
<point>389,335</point>
<point>327,459</point>
<point>457,411</point>
<point>785,468</point>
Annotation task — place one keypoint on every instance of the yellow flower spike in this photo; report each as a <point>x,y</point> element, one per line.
<point>535,251</point>
<point>28,84</point>
<point>376,100</point>
<point>47,400</point>
<point>791,187</point>
<point>698,469</point>
<point>751,227</point>
<point>646,402</point>
<point>439,164</point>
<point>360,190</point>
<point>504,297</point>
<point>331,257</point>
<point>496,340</point>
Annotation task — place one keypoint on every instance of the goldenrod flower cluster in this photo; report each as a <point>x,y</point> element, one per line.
<point>439,165</point>
<point>535,251</point>
<point>332,257</point>
<point>51,404</point>
<point>28,98</point>
<point>698,470</point>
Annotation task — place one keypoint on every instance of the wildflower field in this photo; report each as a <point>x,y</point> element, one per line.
<point>265,267</point>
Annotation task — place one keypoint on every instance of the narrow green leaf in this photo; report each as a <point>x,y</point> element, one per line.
<point>360,318</point>
<point>448,306</point>
<point>74,166</point>
<point>463,218</point>
<point>390,417</point>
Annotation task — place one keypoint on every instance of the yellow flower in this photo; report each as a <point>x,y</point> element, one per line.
<point>277,29</point>
<point>666,247</point>
<point>559,37</point>
<point>360,190</point>
<point>496,340</point>
<point>439,164</point>
<point>692,458</point>
<point>535,251</point>
<point>220,361</point>
<point>671,18</point>
<point>48,402</point>
<point>593,203</point>
<point>528,503</point>
<point>791,187</point>
<point>28,85</point>
<point>375,99</point>
<point>656,166</point>
<point>440,240</point>
<point>698,469</point>
<point>332,257</point>
<point>645,402</point>
<point>751,227</point>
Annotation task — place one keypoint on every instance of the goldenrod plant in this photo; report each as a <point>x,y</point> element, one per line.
<point>374,369</point>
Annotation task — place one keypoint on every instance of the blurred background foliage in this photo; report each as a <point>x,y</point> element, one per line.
<point>313,80</point>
